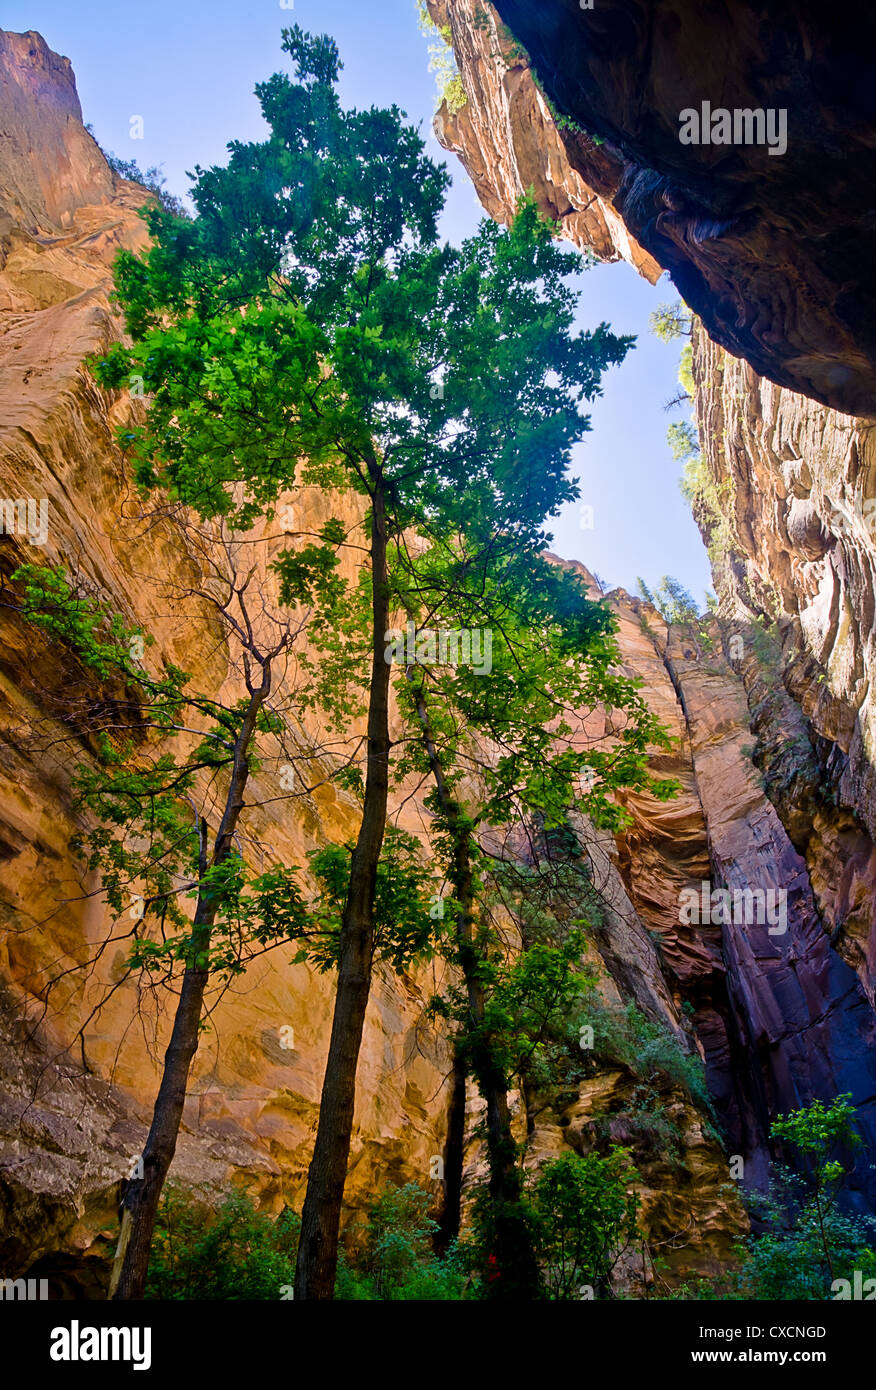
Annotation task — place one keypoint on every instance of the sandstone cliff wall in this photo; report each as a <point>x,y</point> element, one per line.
<point>70,1121</point>
<point>582,105</point>
<point>77,1082</point>
<point>775,762</point>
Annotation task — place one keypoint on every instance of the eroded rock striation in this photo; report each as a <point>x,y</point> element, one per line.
<point>794,569</point>
<point>776,1004</point>
<point>72,1120</point>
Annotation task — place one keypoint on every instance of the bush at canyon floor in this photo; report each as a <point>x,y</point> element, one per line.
<point>581,1213</point>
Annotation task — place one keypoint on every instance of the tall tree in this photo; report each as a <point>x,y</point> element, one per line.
<point>524,743</point>
<point>161,800</point>
<point>307,327</point>
<point>167,804</point>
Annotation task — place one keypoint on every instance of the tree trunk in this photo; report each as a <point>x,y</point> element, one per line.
<point>143,1195</point>
<point>321,1215</point>
<point>515,1274</point>
<point>454,1153</point>
<point>140,1203</point>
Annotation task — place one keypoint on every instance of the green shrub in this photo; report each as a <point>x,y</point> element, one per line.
<point>235,1252</point>
<point>713,501</point>
<point>789,1264</point>
<point>655,1132</point>
<point>648,1049</point>
<point>515,51</point>
<point>671,321</point>
<point>442,61</point>
<point>675,602</point>
<point>685,371</point>
<point>809,1242</point>
<point>395,1260</point>
<point>683,441</point>
<point>585,1216</point>
<point>766,643</point>
<point>153,179</point>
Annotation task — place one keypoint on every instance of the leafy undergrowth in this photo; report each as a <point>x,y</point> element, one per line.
<point>581,1213</point>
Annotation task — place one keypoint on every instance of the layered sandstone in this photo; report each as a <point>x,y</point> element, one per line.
<point>71,1120</point>
<point>779,1012</point>
<point>49,164</point>
<point>511,146</point>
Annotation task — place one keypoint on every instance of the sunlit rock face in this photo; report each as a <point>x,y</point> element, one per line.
<point>776,1018</point>
<point>773,251</point>
<point>73,1113</point>
<point>511,146</point>
<point>67,1134</point>
<point>49,164</point>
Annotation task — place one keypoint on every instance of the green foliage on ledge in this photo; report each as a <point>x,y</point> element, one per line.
<point>442,61</point>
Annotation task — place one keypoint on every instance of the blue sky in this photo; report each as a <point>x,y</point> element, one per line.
<point>188,67</point>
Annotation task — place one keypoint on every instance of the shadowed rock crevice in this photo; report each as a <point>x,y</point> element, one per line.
<point>781,1016</point>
